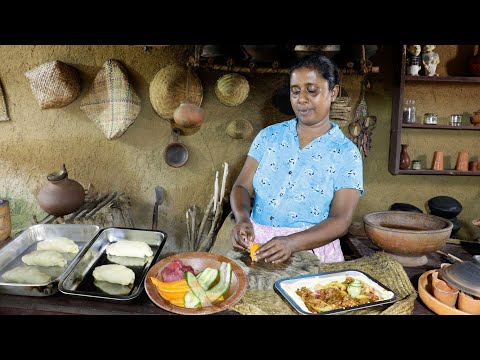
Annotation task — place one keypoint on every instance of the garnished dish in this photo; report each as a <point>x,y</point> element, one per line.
<point>195,283</point>
<point>337,295</point>
<point>334,292</point>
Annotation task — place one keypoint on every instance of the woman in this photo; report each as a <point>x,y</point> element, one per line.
<point>305,175</point>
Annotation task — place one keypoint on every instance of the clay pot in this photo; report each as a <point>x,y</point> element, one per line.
<point>404,158</point>
<point>445,293</point>
<point>474,64</point>
<point>61,195</point>
<point>475,119</point>
<point>468,304</point>
<point>5,220</point>
<point>189,115</point>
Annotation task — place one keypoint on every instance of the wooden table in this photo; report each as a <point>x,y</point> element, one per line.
<point>359,247</point>
<point>65,304</point>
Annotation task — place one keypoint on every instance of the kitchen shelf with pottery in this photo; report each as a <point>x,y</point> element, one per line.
<point>404,116</point>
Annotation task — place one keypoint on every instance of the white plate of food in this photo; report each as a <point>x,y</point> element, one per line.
<point>334,292</point>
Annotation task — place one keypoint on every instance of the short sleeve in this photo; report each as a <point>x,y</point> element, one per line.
<point>350,171</point>
<point>257,149</point>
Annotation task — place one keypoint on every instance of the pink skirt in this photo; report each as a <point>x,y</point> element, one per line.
<point>332,252</point>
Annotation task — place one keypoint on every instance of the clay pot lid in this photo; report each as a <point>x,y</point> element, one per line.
<point>444,206</point>
<point>464,276</point>
<point>405,207</point>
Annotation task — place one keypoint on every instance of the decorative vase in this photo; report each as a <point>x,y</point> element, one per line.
<point>5,220</point>
<point>61,195</point>
<point>404,158</point>
<point>474,63</point>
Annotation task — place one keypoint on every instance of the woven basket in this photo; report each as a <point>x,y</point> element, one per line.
<point>172,85</point>
<point>239,129</point>
<point>111,101</point>
<point>3,106</point>
<point>54,84</point>
<point>232,89</point>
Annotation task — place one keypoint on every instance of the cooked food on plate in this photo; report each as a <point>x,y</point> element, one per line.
<point>129,248</point>
<point>128,260</point>
<point>59,243</point>
<point>114,273</point>
<point>337,295</point>
<point>26,275</point>
<point>44,258</point>
<point>113,289</point>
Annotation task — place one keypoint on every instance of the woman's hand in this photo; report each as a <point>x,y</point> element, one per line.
<point>242,235</point>
<point>277,250</point>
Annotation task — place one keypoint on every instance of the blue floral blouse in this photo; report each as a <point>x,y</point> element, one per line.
<point>294,187</point>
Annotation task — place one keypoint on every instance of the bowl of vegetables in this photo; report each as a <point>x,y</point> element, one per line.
<point>195,283</point>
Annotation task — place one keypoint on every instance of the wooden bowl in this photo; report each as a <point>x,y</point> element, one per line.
<point>199,261</point>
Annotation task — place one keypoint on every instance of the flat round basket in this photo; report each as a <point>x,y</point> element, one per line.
<point>232,89</point>
<point>170,86</point>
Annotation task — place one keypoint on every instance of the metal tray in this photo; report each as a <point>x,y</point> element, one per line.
<point>11,254</point>
<point>288,286</point>
<point>79,280</point>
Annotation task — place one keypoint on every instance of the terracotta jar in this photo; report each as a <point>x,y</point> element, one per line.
<point>61,195</point>
<point>462,161</point>
<point>437,162</point>
<point>5,220</point>
<point>404,158</point>
<point>474,63</point>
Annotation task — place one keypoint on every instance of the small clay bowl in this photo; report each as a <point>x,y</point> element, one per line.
<point>444,293</point>
<point>468,304</point>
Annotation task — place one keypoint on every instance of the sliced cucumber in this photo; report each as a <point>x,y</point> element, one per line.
<point>191,301</point>
<point>197,289</point>
<point>207,277</point>
<point>223,285</point>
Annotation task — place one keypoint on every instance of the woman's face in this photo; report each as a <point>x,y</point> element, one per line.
<point>310,97</point>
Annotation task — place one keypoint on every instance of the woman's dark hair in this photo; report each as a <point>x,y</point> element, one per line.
<point>322,64</point>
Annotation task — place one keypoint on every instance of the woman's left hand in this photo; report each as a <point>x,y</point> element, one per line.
<point>277,250</point>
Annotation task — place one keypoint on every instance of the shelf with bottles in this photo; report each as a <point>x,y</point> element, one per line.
<point>401,79</point>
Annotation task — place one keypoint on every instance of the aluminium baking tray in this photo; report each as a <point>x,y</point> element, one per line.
<point>11,255</point>
<point>288,286</point>
<point>79,280</point>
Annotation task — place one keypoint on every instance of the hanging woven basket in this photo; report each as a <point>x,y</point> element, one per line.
<point>111,101</point>
<point>54,84</point>
<point>173,85</point>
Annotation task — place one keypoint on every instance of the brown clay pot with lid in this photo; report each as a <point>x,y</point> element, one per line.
<point>61,195</point>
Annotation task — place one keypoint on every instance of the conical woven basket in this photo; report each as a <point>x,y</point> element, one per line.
<point>3,106</point>
<point>170,86</point>
<point>111,101</point>
<point>54,84</point>
<point>232,89</point>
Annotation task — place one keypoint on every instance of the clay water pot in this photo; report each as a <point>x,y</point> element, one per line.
<point>61,195</point>
<point>189,115</point>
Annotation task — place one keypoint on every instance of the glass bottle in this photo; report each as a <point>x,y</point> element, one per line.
<point>409,112</point>
<point>404,158</point>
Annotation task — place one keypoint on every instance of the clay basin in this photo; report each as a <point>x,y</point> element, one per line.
<point>407,236</point>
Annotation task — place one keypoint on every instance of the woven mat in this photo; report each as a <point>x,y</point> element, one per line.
<point>260,299</point>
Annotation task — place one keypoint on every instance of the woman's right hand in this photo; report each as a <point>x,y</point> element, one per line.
<point>242,235</point>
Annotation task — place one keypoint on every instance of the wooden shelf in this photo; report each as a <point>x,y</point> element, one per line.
<point>400,79</point>
<point>438,172</point>
<point>458,79</point>
<point>444,127</point>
